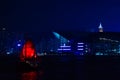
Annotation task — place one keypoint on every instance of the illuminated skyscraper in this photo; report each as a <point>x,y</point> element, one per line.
<point>100,28</point>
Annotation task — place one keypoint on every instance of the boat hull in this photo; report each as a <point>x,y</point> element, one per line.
<point>27,66</point>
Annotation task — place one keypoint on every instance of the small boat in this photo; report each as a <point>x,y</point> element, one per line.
<point>28,56</point>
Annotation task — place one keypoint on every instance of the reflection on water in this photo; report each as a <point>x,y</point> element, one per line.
<point>29,75</point>
<point>33,75</point>
<point>64,68</point>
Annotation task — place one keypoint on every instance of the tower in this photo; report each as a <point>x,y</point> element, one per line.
<point>100,28</point>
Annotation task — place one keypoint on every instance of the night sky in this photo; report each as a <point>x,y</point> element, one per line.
<point>59,15</point>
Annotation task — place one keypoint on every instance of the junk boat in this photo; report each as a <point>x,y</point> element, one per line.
<point>28,56</point>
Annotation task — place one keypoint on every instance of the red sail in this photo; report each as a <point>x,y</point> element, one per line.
<point>28,51</point>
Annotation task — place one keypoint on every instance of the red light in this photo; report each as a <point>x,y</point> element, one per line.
<point>28,51</point>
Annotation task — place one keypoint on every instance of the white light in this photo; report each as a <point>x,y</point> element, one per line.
<point>68,41</point>
<point>19,45</point>
<point>65,46</point>
<point>80,49</point>
<point>80,43</point>
<point>8,53</point>
<point>100,26</point>
<point>80,46</point>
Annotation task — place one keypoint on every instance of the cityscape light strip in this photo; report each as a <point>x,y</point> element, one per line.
<point>64,49</point>
<point>80,49</point>
<point>65,46</point>
<point>80,43</point>
<point>80,46</point>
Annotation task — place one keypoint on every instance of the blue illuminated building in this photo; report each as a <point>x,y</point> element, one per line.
<point>64,48</point>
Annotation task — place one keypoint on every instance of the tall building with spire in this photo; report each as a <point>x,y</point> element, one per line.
<point>100,28</point>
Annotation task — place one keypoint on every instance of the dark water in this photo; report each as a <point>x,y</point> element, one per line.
<point>63,68</point>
